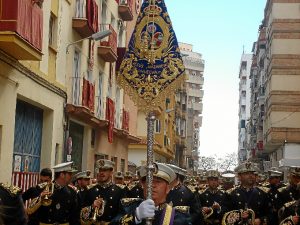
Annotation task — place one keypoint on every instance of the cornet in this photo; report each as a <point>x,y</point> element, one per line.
<point>98,211</point>
<point>46,201</point>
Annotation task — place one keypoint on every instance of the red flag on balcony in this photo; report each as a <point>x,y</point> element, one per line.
<point>92,15</point>
<point>125,122</point>
<point>85,92</point>
<point>91,102</point>
<point>110,116</point>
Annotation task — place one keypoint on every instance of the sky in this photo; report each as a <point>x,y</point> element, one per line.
<point>219,30</point>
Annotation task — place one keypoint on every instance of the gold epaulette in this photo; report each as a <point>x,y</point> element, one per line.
<point>191,188</point>
<point>91,186</point>
<point>264,189</point>
<point>229,191</point>
<point>288,204</point>
<point>73,187</point>
<point>265,184</point>
<point>122,186</point>
<point>282,189</point>
<point>128,201</point>
<point>131,186</point>
<point>183,209</point>
<point>12,190</point>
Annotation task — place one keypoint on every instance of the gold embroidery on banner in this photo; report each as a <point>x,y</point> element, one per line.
<point>149,84</point>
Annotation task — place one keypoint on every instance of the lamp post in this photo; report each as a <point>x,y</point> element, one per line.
<point>96,36</point>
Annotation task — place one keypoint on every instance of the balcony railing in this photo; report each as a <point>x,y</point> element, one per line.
<point>125,9</point>
<point>85,20</point>
<point>107,49</point>
<point>83,93</point>
<point>21,29</point>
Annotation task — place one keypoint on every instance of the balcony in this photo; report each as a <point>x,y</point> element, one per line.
<point>21,29</point>
<point>196,93</point>
<point>107,49</point>
<point>82,102</point>
<point>85,21</point>
<point>125,9</point>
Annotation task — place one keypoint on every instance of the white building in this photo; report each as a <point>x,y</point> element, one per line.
<point>194,65</point>
<point>244,103</point>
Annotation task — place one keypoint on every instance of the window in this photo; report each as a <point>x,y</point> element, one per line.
<point>117,108</point>
<point>76,79</point>
<point>122,165</point>
<point>243,123</point>
<point>115,160</point>
<point>103,14</point>
<point>93,138</point>
<point>99,96</point>
<point>52,37</point>
<point>157,126</point>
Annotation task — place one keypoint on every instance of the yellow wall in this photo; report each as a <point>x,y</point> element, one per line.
<point>35,94</point>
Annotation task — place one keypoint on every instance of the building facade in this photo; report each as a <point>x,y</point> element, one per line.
<point>62,100</point>
<point>194,65</point>
<point>244,104</point>
<point>275,114</point>
<point>33,93</point>
<point>282,119</point>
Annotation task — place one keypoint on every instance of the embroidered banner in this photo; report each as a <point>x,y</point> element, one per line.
<point>152,67</point>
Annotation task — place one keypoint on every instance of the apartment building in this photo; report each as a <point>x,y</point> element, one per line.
<point>255,144</point>
<point>244,104</point>
<point>194,65</point>
<point>282,106</point>
<point>58,85</point>
<point>275,117</point>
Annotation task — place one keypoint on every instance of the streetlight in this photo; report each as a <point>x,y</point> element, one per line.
<point>96,36</point>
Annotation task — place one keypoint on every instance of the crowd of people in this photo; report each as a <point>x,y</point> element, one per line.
<point>72,197</point>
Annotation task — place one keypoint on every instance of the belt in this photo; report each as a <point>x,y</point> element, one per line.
<point>54,224</point>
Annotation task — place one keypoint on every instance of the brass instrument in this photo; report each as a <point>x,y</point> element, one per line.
<point>98,211</point>
<point>235,217</point>
<point>46,200</point>
<point>288,221</point>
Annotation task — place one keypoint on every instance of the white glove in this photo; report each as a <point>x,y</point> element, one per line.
<point>145,210</point>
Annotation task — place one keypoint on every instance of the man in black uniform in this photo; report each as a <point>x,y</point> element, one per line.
<point>291,192</point>
<point>181,195</point>
<point>58,203</point>
<point>213,200</point>
<point>135,189</point>
<point>119,178</point>
<point>274,184</point>
<point>12,211</point>
<point>102,200</point>
<point>250,203</point>
<point>135,211</point>
<point>290,196</point>
<point>81,181</point>
<point>33,192</point>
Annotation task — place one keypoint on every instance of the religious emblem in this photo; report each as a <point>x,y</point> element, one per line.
<point>152,67</point>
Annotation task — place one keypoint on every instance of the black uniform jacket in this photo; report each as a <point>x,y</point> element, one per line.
<point>255,198</point>
<point>12,210</point>
<point>111,194</point>
<point>64,207</point>
<point>208,198</point>
<point>182,195</point>
<point>127,215</point>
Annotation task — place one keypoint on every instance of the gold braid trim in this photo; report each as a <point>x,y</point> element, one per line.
<point>148,106</point>
<point>168,215</point>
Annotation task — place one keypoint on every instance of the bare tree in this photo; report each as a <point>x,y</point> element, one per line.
<point>228,162</point>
